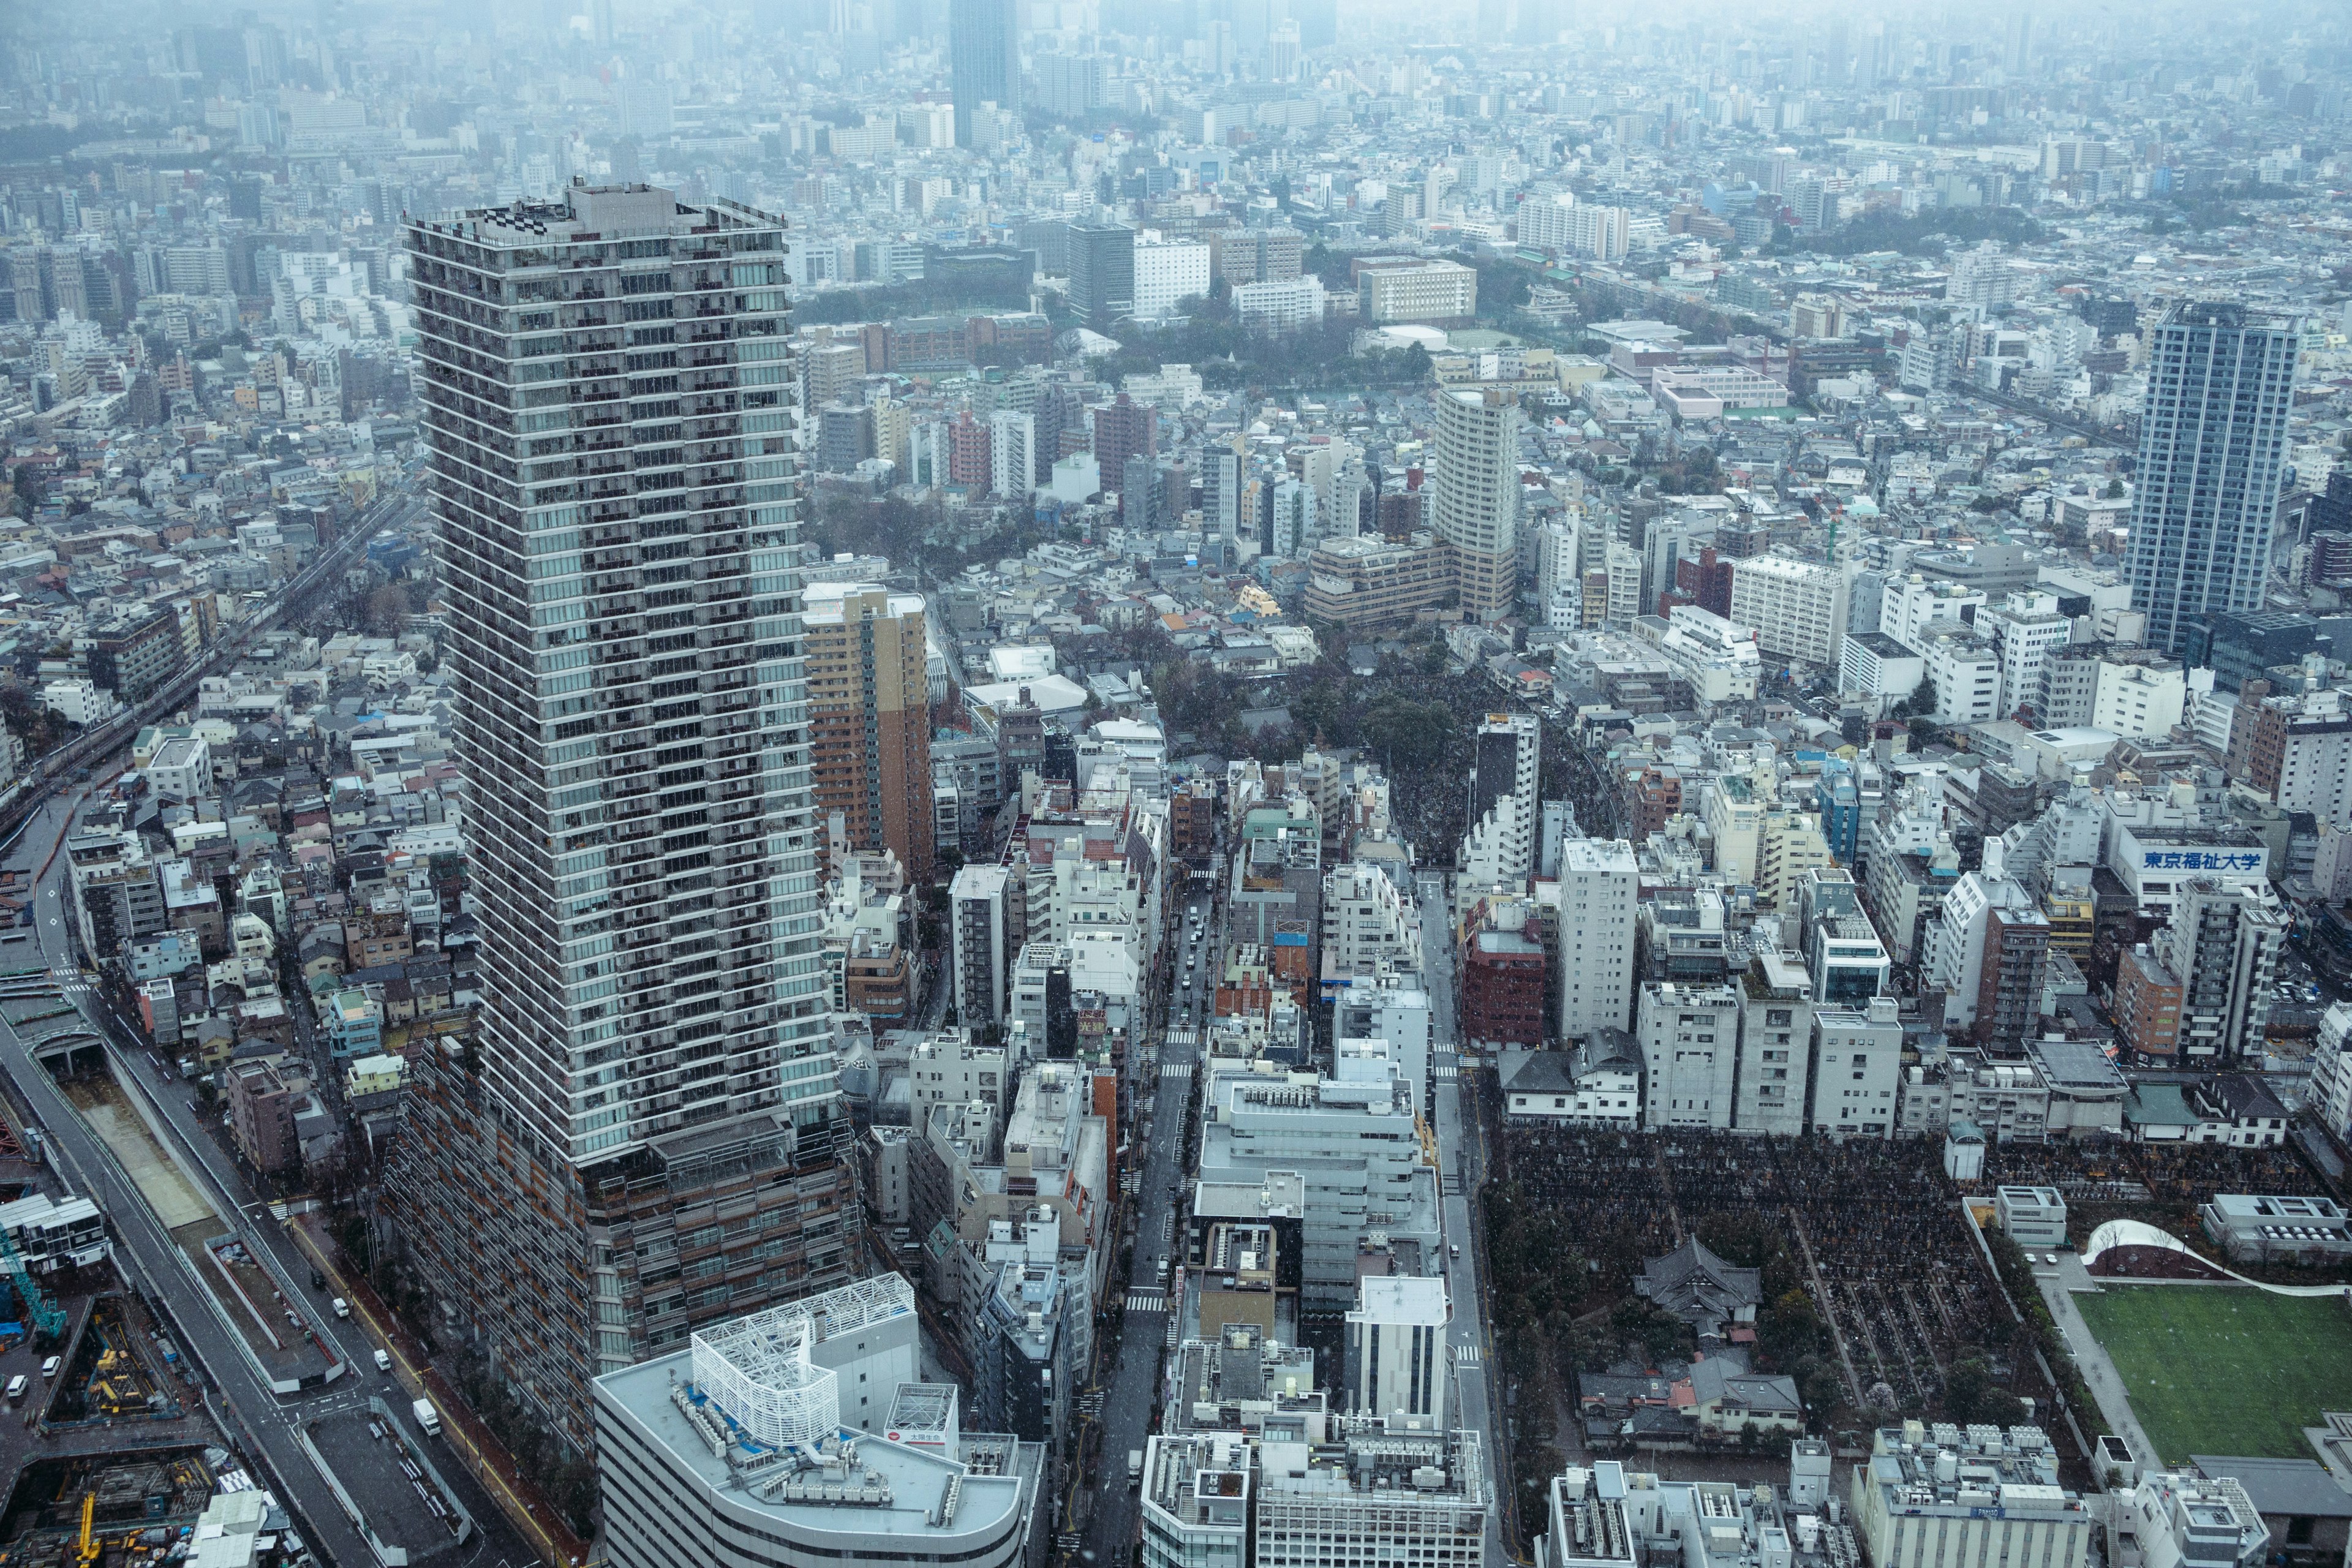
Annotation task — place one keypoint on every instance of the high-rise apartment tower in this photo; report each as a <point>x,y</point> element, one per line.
<point>871,718</point>
<point>605,382</point>
<point>1474,500</point>
<point>2212,441</point>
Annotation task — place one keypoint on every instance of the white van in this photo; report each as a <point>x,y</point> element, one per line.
<point>49,1367</point>
<point>17,1386</point>
<point>342,1308</point>
<point>384,1363</point>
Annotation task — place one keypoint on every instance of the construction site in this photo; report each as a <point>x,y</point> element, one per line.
<point>113,1511</point>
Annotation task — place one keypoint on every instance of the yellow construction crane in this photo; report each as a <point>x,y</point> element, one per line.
<point>89,1515</point>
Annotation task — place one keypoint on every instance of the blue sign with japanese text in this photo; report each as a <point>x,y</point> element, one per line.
<point>2201,861</point>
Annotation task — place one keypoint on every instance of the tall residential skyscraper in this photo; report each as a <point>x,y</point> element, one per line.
<point>1475,496</point>
<point>605,383</point>
<point>984,59</point>
<point>869,712</point>
<point>2212,442</point>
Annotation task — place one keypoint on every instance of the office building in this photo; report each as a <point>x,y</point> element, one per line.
<point>2030,1216</point>
<point>983,60</point>
<point>641,835</point>
<point>1475,496</point>
<point>1507,756</point>
<point>1600,883</point>
<point>1394,1358</point>
<point>1169,272</point>
<point>869,718</point>
<point>2212,441</point>
<point>1967,1497</point>
<point>1797,608</point>
<point>1421,1495</point>
<point>1102,273</point>
<point>799,1439</point>
<point>1439,293</point>
<point>1855,1070</point>
<point>1690,1037</point>
<point>1351,1135</point>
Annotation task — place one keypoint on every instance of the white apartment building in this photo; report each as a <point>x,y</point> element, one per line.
<point>2137,700</point>
<point>1690,1037</point>
<point>1966,669</point>
<point>1717,657</point>
<point>1908,606</point>
<point>1013,454</point>
<point>1797,608</point>
<point>1856,1070</point>
<point>1625,567</point>
<point>1167,273</point>
<point>1368,927</point>
<point>2024,628</point>
<point>1735,818</point>
<point>1603,233</point>
<point>1421,291</point>
<point>1600,883</point>
<point>1396,1011</point>
<point>1500,848</point>
<point>2303,748</point>
<point>1543,221</point>
<point>1474,495</point>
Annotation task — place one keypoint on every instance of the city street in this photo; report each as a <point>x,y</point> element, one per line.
<point>1461,1147</point>
<point>1133,1383</point>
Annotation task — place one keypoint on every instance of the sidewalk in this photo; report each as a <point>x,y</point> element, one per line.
<point>2107,1385</point>
<point>471,1441</point>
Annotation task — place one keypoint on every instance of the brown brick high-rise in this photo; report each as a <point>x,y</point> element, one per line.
<point>871,718</point>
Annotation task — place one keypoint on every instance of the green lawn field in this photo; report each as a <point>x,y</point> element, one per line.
<point>2218,1370</point>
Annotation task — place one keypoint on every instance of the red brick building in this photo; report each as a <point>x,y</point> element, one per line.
<point>1503,989</point>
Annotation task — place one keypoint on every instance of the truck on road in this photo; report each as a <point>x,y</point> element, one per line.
<point>428,1417</point>
<point>1135,1467</point>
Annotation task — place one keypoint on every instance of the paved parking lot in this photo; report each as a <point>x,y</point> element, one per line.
<point>372,1461</point>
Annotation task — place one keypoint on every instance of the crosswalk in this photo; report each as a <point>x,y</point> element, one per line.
<point>1183,1036</point>
<point>1147,1300</point>
<point>1467,1355</point>
<point>1445,1073</point>
<point>1175,1069</point>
